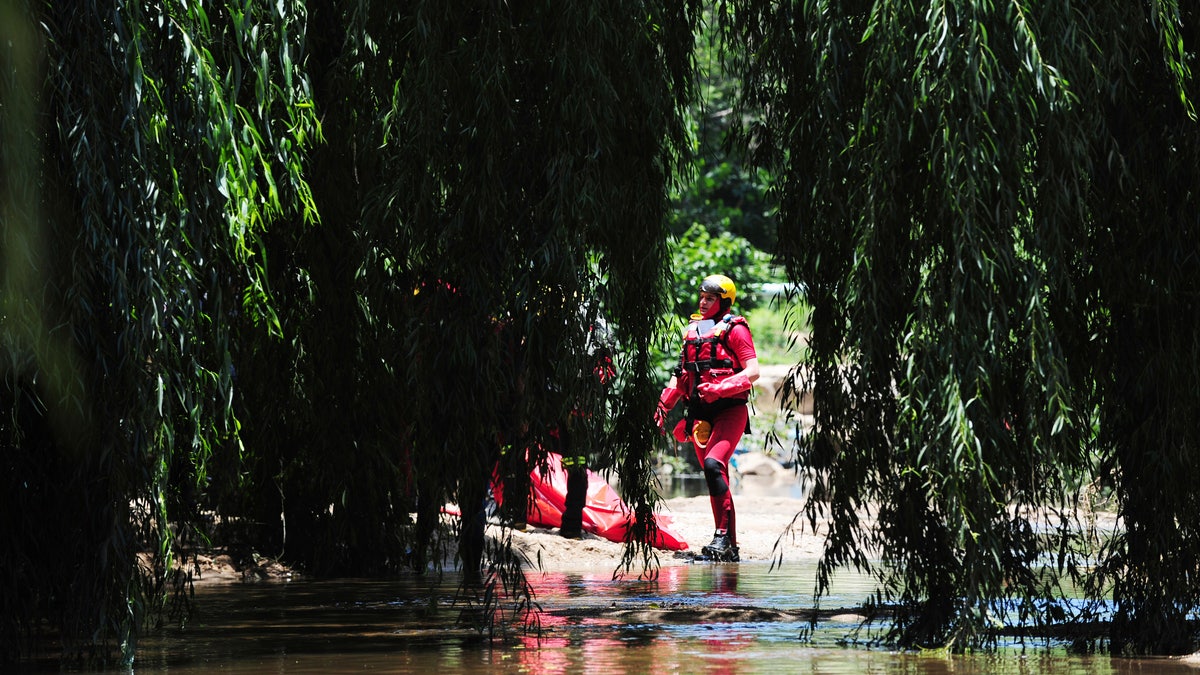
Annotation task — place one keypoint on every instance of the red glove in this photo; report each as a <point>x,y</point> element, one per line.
<point>726,388</point>
<point>682,431</point>
<point>667,400</point>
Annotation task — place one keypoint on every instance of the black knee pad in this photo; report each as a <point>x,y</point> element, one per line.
<point>712,473</point>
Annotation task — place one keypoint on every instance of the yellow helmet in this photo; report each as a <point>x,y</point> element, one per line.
<point>721,286</point>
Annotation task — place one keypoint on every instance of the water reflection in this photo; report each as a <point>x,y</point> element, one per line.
<point>698,618</point>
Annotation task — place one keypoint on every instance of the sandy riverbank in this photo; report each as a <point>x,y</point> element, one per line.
<point>763,522</point>
<point>765,532</point>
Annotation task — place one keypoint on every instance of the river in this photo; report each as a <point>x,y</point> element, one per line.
<point>696,618</point>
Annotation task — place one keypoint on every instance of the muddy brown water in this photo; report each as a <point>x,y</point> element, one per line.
<point>696,618</point>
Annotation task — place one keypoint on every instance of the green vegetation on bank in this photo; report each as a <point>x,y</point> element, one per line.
<point>780,331</point>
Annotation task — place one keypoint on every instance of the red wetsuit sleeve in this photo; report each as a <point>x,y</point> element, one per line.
<point>741,342</point>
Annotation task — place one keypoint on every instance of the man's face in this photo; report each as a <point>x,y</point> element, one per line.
<point>710,304</point>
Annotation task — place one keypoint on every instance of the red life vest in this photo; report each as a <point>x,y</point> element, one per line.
<point>706,355</point>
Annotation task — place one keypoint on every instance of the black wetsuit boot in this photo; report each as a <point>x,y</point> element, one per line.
<point>721,548</point>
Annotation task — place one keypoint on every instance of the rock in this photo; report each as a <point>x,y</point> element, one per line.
<point>758,464</point>
<point>771,385</point>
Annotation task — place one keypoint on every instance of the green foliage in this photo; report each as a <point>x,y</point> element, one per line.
<point>974,196</point>
<point>699,253</point>
<point>212,301</point>
<point>472,188</point>
<point>170,139</point>
<point>515,152</point>
<point>780,331</point>
<point>721,192</point>
<point>726,199</point>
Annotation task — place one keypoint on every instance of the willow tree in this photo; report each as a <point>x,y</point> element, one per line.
<point>150,147</point>
<point>993,208</point>
<point>491,174</point>
<point>214,303</point>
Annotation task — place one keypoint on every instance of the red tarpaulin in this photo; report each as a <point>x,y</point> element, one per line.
<point>605,514</point>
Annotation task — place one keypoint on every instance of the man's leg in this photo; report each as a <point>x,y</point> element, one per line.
<point>726,433</point>
<point>577,484</point>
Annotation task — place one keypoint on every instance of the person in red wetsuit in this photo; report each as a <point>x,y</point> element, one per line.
<point>717,367</point>
<point>581,434</point>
